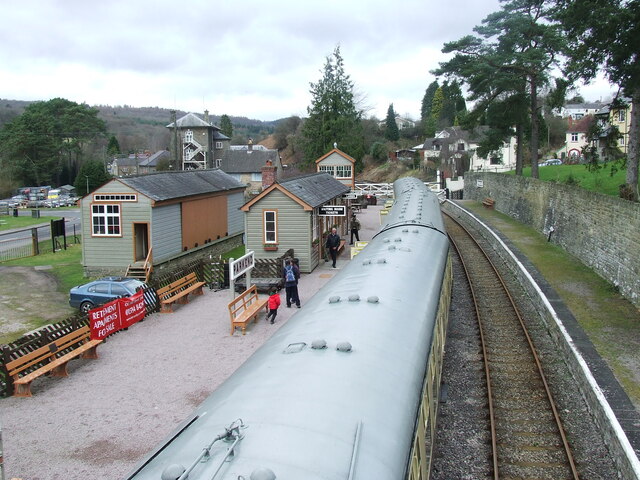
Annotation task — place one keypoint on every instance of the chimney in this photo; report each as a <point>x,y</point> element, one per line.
<point>250,145</point>
<point>206,116</point>
<point>268,175</point>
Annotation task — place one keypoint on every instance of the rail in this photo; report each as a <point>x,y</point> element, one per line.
<point>487,282</point>
<point>386,189</point>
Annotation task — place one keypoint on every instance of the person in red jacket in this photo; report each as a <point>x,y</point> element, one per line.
<point>274,303</point>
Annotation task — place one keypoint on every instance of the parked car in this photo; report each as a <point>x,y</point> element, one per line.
<point>551,161</point>
<point>87,296</point>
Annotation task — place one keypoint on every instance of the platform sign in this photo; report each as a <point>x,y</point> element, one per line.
<point>241,265</point>
<point>332,211</point>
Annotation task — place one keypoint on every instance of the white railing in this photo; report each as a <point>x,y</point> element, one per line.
<point>386,189</point>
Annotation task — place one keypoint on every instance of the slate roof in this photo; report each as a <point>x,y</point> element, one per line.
<point>169,185</point>
<point>315,189</point>
<point>455,134</point>
<point>244,161</point>
<point>152,161</point>
<point>191,120</point>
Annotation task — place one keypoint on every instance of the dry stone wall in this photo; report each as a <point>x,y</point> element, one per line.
<point>602,231</point>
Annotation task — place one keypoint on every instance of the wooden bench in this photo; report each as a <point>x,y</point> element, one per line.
<point>179,291</point>
<point>488,202</point>
<point>246,307</point>
<point>55,361</point>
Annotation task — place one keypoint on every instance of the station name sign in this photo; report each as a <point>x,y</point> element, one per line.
<point>332,210</point>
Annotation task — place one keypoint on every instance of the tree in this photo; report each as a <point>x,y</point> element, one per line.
<point>333,116</point>
<point>284,130</point>
<point>113,147</point>
<point>226,127</point>
<point>603,36</point>
<point>91,174</point>
<point>517,47</point>
<point>427,101</point>
<point>47,138</point>
<point>391,131</point>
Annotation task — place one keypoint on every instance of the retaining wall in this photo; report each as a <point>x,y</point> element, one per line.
<point>601,230</point>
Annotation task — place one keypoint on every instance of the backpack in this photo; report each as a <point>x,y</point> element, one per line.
<point>289,274</point>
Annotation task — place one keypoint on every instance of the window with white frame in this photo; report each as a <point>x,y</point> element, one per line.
<point>218,145</point>
<point>574,137</point>
<point>105,220</point>
<point>188,136</point>
<point>218,162</point>
<point>270,225</point>
<point>327,169</point>
<point>256,177</point>
<point>343,171</point>
<point>621,115</point>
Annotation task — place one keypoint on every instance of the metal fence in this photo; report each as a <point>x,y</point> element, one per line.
<point>32,241</point>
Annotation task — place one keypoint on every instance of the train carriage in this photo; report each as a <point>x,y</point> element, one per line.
<point>348,388</point>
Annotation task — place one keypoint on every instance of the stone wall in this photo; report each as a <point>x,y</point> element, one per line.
<point>601,230</point>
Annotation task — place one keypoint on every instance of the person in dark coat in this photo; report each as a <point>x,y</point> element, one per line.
<point>355,227</point>
<point>333,242</point>
<point>291,274</point>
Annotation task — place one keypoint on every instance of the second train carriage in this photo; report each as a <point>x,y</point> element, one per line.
<point>349,387</point>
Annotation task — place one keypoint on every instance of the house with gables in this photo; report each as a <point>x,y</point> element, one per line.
<point>455,151</point>
<point>160,217</point>
<point>200,143</point>
<point>339,165</point>
<point>245,162</point>
<point>292,214</point>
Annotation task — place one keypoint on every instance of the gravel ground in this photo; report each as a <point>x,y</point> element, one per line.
<point>109,412</point>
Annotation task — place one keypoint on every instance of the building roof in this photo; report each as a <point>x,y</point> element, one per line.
<point>169,185</point>
<point>452,134</point>
<point>315,189</point>
<point>152,160</point>
<point>310,191</point>
<point>247,161</point>
<point>191,120</point>
<point>339,152</point>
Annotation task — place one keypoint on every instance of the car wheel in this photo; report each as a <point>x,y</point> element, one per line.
<point>85,307</point>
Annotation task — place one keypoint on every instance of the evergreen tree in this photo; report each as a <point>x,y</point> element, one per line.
<point>391,131</point>
<point>333,117</point>
<point>427,100</point>
<point>113,148</point>
<point>47,138</point>
<point>437,106</point>
<point>226,127</point>
<point>91,173</point>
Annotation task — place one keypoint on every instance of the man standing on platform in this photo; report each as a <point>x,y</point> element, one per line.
<point>333,242</point>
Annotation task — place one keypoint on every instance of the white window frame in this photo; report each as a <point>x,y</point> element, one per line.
<point>111,224</point>
<point>219,145</point>
<point>270,227</point>
<point>327,169</point>
<point>621,115</point>
<point>218,162</point>
<point>574,137</point>
<point>188,136</point>
<point>343,171</point>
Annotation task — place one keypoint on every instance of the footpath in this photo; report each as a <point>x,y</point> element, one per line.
<point>103,418</point>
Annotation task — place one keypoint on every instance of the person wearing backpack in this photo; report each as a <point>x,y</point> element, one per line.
<point>291,274</point>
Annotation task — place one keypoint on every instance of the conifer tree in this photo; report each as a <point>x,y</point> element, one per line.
<point>333,116</point>
<point>391,131</point>
<point>226,127</point>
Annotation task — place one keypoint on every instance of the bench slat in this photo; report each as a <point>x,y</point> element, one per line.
<point>246,307</point>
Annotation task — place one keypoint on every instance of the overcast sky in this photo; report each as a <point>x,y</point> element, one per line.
<point>245,57</point>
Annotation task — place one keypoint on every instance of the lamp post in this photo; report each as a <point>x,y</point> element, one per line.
<point>87,177</point>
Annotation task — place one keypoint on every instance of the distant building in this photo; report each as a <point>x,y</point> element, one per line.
<point>575,139</point>
<point>245,162</point>
<point>576,111</point>
<point>401,122</point>
<point>620,117</point>
<point>136,163</point>
<point>200,143</point>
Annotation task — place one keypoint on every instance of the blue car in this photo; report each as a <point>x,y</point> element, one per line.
<point>87,296</point>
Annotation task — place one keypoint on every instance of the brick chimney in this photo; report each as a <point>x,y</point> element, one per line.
<point>268,175</point>
<point>250,146</point>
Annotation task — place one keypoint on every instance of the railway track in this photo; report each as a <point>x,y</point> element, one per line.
<point>527,437</point>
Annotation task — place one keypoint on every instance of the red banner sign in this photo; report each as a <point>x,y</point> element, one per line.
<point>116,315</point>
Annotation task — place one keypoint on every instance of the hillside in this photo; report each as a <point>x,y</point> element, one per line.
<point>145,128</point>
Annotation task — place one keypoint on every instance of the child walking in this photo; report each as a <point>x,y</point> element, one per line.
<point>274,303</point>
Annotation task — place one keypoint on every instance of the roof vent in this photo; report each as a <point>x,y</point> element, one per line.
<point>334,299</point>
<point>262,474</point>
<point>373,299</point>
<point>354,298</point>
<point>295,347</point>
<point>319,344</point>
<point>343,347</point>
